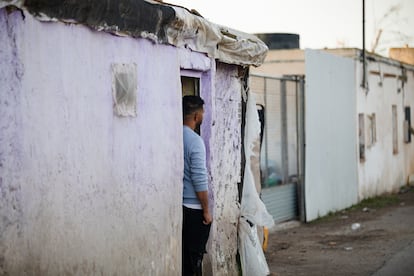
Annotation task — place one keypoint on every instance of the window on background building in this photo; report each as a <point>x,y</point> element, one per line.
<point>361,123</point>
<point>371,128</point>
<point>394,130</point>
<point>407,124</point>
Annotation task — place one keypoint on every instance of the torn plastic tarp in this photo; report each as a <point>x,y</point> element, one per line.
<point>136,18</point>
<point>253,261</point>
<point>124,89</point>
<point>252,207</point>
<point>222,43</point>
<point>253,212</point>
<point>159,22</point>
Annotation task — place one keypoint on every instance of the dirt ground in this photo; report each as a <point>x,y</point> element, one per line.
<point>330,246</point>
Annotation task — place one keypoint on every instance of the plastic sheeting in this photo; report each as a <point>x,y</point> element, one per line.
<point>222,43</point>
<point>252,207</point>
<point>124,89</point>
<point>253,261</point>
<point>253,212</point>
<point>159,22</point>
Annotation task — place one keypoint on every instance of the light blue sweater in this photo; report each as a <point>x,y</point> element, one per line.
<point>195,170</point>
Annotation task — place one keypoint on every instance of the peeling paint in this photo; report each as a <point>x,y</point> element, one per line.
<point>225,163</point>
<point>11,73</point>
<point>78,190</point>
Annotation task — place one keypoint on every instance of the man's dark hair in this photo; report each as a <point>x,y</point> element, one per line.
<point>192,104</point>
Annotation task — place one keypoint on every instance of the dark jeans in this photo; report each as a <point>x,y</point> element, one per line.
<point>195,236</point>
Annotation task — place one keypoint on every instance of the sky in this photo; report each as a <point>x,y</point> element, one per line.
<point>319,23</point>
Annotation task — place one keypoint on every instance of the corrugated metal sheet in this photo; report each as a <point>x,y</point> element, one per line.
<point>281,202</point>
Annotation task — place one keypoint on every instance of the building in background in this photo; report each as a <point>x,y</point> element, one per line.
<point>350,140</point>
<point>275,41</point>
<point>405,55</point>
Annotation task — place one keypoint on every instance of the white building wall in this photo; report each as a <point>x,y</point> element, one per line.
<point>330,127</point>
<point>384,170</point>
<point>408,148</point>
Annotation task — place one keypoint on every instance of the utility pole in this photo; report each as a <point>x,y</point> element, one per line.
<point>363,84</point>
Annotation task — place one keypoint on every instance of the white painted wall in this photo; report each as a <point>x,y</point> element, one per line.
<point>86,192</point>
<point>408,148</point>
<point>384,171</point>
<point>330,126</point>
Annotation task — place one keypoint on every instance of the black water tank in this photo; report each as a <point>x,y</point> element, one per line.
<point>280,40</point>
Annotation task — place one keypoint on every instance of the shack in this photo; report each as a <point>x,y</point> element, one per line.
<point>91,134</point>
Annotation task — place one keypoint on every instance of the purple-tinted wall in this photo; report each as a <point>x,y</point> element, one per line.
<point>84,191</point>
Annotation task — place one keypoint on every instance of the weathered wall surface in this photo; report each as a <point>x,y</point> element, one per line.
<point>384,168</point>
<point>84,192</point>
<point>225,161</point>
<point>11,71</point>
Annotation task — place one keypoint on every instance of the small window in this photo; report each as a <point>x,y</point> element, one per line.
<point>407,124</point>
<point>372,132</point>
<point>124,89</point>
<point>394,130</point>
<point>361,123</point>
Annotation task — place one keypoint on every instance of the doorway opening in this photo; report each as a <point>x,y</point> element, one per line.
<point>190,86</point>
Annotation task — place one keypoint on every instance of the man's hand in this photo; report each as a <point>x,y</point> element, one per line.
<point>203,197</point>
<point>207,218</point>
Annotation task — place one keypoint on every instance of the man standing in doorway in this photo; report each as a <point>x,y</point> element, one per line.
<point>196,216</point>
